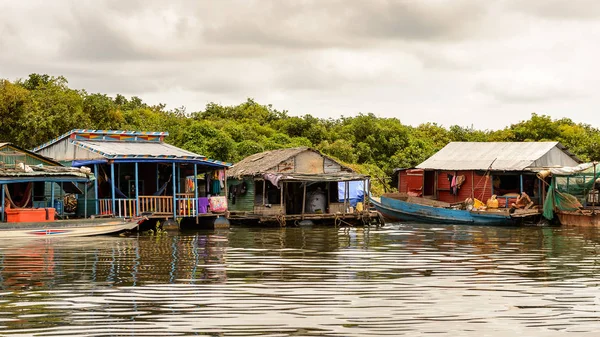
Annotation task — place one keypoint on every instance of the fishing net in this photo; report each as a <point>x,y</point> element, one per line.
<point>570,191</point>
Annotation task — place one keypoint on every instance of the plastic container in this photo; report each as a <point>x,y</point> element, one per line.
<point>492,202</point>
<point>58,206</point>
<point>359,206</point>
<point>477,203</point>
<point>30,215</point>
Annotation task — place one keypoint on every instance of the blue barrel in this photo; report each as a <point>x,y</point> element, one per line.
<point>58,205</point>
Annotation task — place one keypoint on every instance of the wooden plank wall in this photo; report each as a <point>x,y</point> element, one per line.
<point>244,202</point>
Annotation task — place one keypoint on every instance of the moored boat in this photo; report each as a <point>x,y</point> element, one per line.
<point>66,228</point>
<point>572,195</point>
<point>398,207</point>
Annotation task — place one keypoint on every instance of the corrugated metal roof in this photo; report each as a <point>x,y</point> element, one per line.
<point>267,161</point>
<point>137,150</point>
<point>498,156</point>
<point>262,162</point>
<point>98,132</point>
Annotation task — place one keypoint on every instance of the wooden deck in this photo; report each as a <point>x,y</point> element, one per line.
<point>337,219</point>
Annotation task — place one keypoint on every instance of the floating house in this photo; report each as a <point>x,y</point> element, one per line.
<point>32,186</point>
<point>479,170</point>
<point>139,174</point>
<point>292,185</point>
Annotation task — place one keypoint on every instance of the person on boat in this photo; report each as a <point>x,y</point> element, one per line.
<point>523,201</point>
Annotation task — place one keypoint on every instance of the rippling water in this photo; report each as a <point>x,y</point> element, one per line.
<point>397,280</point>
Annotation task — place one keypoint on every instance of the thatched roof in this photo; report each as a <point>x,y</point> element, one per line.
<point>265,162</point>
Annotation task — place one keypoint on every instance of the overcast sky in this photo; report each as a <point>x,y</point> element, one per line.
<point>481,63</point>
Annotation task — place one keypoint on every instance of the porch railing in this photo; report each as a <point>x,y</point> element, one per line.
<point>124,208</point>
<point>158,205</point>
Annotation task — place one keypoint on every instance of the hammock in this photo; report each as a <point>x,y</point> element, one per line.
<point>24,201</point>
<point>162,188</point>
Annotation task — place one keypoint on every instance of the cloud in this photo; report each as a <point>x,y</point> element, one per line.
<point>420,61</point>
<point>523,86</point>
<point>558,9</point>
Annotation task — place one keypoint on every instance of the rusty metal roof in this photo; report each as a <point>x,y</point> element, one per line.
<point>267,161</point>
<point>500,156</point>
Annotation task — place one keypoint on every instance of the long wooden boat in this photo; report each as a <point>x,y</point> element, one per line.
<point>580,218</point>
<point>64,228</point>
<point>416,209</point>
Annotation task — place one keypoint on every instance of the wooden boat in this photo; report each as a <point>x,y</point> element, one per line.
<point>64,228</point>
<point>416,209</point>
<point>573,195</point>
<point>580,218</point>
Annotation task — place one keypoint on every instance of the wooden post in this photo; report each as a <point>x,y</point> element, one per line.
<point>196,192</point>
<point>521,182</point>
<point>51,194</point>
<point>473,185</point>
<point>594,195</point>
<point>137,191</point>
<point>303,200</point>
<point>368,201</point>
<point>3,205</point>
<point>225,182</point>
<point>97,202</point>
<point>112,187</point>
<point>264,191</point>
<point>174,191</point>
<point>179,176</point>
<point>346,194</point>
<point>85,188</point>
<point>365,194</point>
<point>281,194</point>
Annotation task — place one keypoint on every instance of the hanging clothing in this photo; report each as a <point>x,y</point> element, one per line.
<point>216,187</point>
<point>221,176</point>
<point>453,185</point>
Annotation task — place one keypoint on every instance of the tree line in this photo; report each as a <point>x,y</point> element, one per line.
<point>40,107</point>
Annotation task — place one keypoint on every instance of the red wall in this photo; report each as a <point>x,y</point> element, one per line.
<point>410,181</point>
<point>475,185</point>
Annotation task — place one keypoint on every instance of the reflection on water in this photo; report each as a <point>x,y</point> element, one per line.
<point>403,279</point>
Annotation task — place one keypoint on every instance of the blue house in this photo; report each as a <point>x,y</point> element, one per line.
<point>139,174</point>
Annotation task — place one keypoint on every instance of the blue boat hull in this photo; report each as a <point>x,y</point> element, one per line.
<point>398,210</point>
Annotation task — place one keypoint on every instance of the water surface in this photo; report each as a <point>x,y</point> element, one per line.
<point>402,279</point>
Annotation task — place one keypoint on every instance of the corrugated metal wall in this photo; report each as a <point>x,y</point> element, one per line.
<point>12,156</point>
<point>243,202</point>
<point>329,166</point>
<point>65,151</point>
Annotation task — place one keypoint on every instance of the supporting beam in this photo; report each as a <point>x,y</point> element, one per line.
<point>112,188</point>
<point>174,192</point>
<point>137,191</point>
<point>196,192</point>
<point>225,182</point>
<point>85,203</point>
<point>196,182</point>
<point>97,202</point>
<point>304,200</point>
<point>3,205</point>
<point>52,194</point>
<point>521,182</point>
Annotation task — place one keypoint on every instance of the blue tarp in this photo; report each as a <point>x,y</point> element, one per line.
<point>356,189</point>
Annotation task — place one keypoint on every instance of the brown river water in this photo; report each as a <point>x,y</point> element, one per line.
<point>401,279</point>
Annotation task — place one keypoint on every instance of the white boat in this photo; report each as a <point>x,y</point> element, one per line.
<point>64,228</point>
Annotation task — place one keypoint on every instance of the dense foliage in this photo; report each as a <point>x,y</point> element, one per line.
<point>41,107</point>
